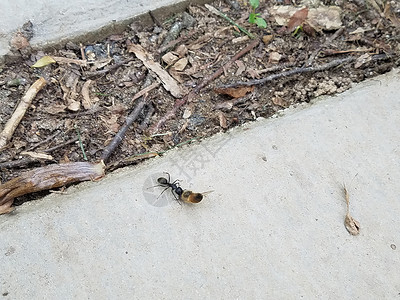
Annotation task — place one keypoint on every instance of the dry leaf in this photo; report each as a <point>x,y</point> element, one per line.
<point>180,65</point>
<point>297,19</point>
<point>323,17</point>
<point>235,92</point>
<point>328,18</point>
<point>274,57</point>
<point>280,102</point>
<point>389,14</point>
<point>181,50</point>
<point>222,120</point>
<point>87,102</point>
<point>44,61</point>
<point>54,109</point>
<point>226,105</point>
<point>352,226</point>
<point>222,32</point>
<point>176,75</point>
<point>253,73</point>
<point>168,82</point>
<point>74,105</point>
<point>241,67</point>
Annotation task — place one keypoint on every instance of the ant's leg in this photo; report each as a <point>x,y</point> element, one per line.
<point>169,176</point>
<point>155,186</point>
<point>163,192</point>
<point>176,198</point>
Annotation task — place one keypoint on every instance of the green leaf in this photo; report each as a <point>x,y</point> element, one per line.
<point>261,23</point>
<point>44,61</point>
<point>252,18</point>
<point>254,3</point>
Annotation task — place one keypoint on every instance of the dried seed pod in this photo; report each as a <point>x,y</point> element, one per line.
<point>352,225</point>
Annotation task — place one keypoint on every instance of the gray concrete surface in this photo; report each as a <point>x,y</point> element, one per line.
<point>272,228</point>
<point>57,21</point>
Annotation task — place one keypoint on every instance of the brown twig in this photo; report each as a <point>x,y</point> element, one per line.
<point>145,90</point>
<point>12,123</point>
<point>44,141</point>
<point>325,44</point>
<point>121,133</point>
<point>66,60</point>
<point>146,119</point>
<point>295,71</point>
<point>108,69</point>
<point>205,82</point>
<point>61,145</point>
<point>181,39</point>
<point>18,163</point>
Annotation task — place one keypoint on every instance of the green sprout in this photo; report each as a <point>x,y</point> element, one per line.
<point>254,18</point>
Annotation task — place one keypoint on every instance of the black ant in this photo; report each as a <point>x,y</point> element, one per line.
<point>175,188</point>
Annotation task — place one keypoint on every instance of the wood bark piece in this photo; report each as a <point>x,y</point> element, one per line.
<point>45,178</point>
<point>12,123</point>
<point>168,82</point>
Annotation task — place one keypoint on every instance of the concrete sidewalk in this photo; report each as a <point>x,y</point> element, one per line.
<point>272,228</point>
<point>57,21</point>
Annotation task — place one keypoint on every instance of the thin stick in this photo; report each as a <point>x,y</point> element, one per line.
<point>80,142</point>
<point>44,141</point>
<point>18,163</point>
<point>325,44</point>
<point>177,41</point>
<point>121,133</point>
<point>206,81</point>
<point>61,145</point>
<point>295,71</point>
<point>12,123</point>
<point>146,119</point>
<point>145,90</point>
<point>106,70</point>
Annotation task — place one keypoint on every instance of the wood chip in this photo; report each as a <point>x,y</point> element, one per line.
<point>181,64</point>
<point>169,58</point>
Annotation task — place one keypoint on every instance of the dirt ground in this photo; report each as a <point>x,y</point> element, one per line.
<point>89,95</point>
